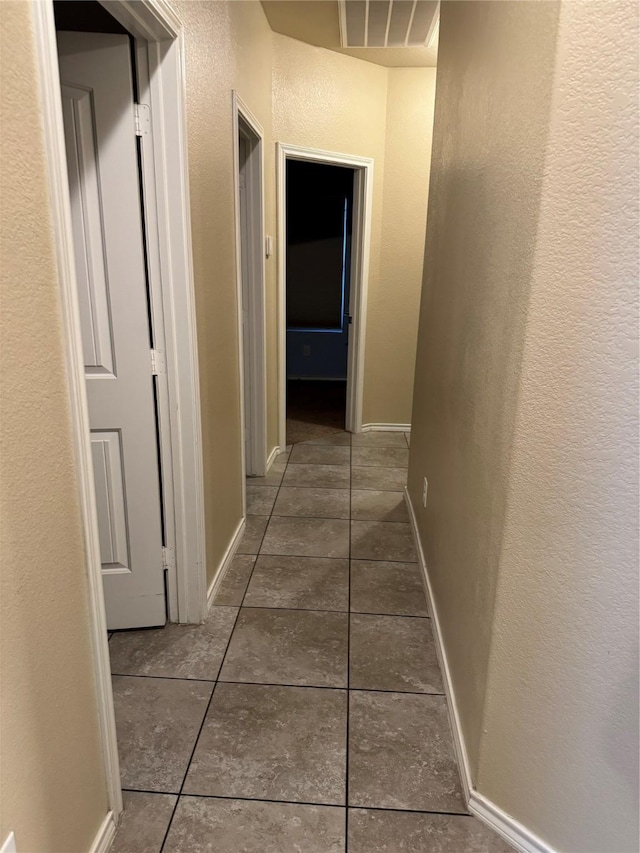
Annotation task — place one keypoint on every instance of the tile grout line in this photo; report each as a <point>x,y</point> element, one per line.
<point>328,518</point>
<point>298,803</point>
<point>306,556</point>
<point>328,488</point>
<point>195,745</point>
<point>319,610</point>
<point>286,684</point>
<point>346,793</point>
<point>204,718</point>
<point>218,681</point>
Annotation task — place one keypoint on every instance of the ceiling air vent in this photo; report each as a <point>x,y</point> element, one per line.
<point>388,23</point>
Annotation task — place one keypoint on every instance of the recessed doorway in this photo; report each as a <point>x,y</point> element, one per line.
<point>324,211</point>
<point>250,258</point>
<point>318,280</point>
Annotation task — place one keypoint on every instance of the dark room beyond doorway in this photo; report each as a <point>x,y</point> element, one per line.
<point>318,278</point>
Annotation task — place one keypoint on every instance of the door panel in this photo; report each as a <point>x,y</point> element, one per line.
<point>90,256</point>
<point>100,136</point>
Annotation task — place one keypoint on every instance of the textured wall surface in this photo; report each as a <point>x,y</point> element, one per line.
<point>394,305</point>
<point>47,680</point>
<point>526,409</point>
<point>486,176</point>
<point>307,96</point>
<point>561,717</point>
<point>52,787</point>
<point>322,99</point>
<point>228,46</point>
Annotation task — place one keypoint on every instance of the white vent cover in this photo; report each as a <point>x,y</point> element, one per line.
<point>388,23</point>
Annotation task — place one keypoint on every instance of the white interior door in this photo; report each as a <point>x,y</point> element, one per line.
<point>97,97</point>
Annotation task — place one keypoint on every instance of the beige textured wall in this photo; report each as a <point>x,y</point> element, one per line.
<point>228,46</point>
<point>52,788</point>
<point>254,58</point>
<point>322,99</point>
<point>526,409</point>
<point>394,305</point>
<point>307,96</point>
<point>486,177</point>
<point>561,716</point>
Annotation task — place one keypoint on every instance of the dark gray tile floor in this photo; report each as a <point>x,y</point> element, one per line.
<point>307,713</point>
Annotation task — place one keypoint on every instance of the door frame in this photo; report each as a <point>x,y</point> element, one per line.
<point>360,251</point>
<point>180,426</point>
<point>253,371</point>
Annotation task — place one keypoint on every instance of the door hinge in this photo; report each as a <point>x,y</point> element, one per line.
<point>158,365</point>
<point>142,119</point>
<point>168,559</point>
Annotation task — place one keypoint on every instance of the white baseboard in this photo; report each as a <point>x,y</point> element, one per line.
<point>277,450</point>
<point>507,827</point>
<point>454,717</point>
<point>104,837</point>
<point>385,428</point>
<point>225,563</point>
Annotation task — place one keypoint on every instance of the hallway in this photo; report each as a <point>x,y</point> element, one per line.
<point>313,683</point>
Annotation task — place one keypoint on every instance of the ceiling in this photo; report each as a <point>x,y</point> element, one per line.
<point>318,22</point>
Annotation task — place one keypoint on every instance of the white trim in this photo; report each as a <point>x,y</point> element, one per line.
<point>361,250</point>
<point>150,202</point>
<point>385,428</point>
<point>454,717</point>
<point>519,836</point>
<point>225,563</point>
<point>342,20</point>
<point>153,20</point>
<point>9,844</point>
<point>54,145</point>
<point>277,450</point>
<point>508,827</point>
<point>104,837</point>
<point>254,370</point>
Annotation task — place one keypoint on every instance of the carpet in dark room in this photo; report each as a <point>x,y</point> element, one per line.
<point>315,408</point>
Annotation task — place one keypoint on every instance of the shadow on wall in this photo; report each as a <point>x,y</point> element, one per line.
<point>485,190</point>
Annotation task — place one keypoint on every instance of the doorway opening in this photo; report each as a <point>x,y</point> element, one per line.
<point>324,213</point>
<point>250,255</point>
<point>319,221</point>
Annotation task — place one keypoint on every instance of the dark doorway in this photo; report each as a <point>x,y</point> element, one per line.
<point>318,278</point>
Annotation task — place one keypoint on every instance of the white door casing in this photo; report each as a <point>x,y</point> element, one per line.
<point>246,273</point>
<point>99,123</point>
<point>360,251</point>
<point>248,158</point>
